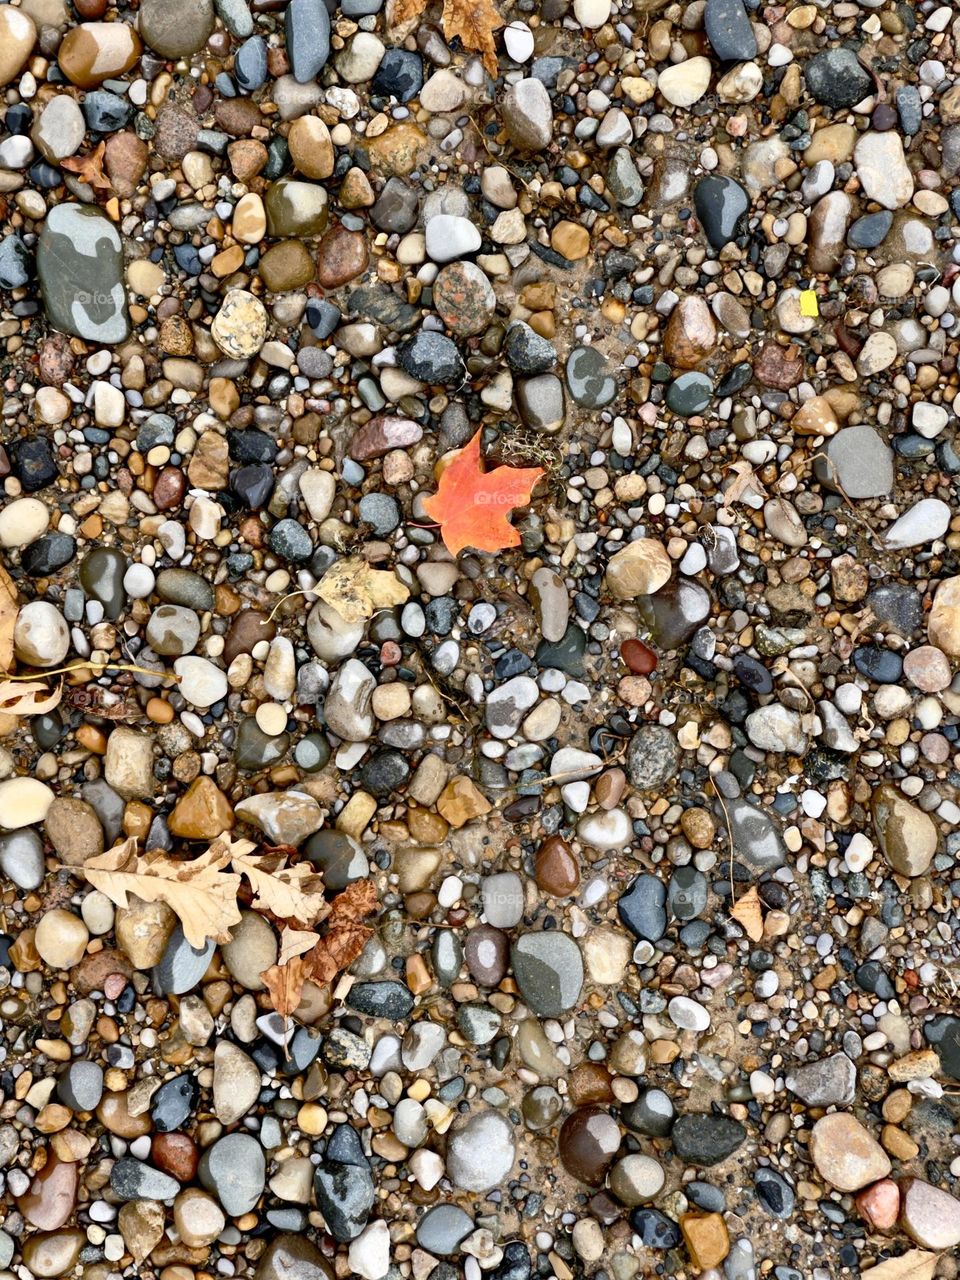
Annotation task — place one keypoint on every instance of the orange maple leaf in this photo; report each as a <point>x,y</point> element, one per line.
<point>89,168</point>
<point>471,505</point>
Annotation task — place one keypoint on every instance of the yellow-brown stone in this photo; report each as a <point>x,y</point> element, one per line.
<point>705,1235</point>
<point>395,151</point>
<point>460,801</point>
<point>209,466</point>
<point>98,51</point>
<point>570,240</point>
<point>311,149</point>
<point>202,813</point>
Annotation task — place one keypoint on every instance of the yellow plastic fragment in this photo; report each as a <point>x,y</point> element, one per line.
<point>808,303</point>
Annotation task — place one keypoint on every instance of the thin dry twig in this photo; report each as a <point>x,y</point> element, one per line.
<point>726,815</point>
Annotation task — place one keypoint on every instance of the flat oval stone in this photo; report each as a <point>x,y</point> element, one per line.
<point>589,1139</point>
<point>176,28</point>
<point>442,1229</point>
<point>182,966</point>
<point>80,266</point>
<point>549,970</point>
<point>234,1170</point>
<point>50,1199</point>
<point>487,953</point>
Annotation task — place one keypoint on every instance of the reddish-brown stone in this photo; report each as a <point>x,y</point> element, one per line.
<point>247,629</point>
<point>169,489</point>
<point>555,868</point>
<point>589,1084</point>
<point>778,367</point>
<point>94,969</point>
<point>879,1205</point>
<point>176,1154</point>
<point>125,162</point>
<point>382,433</point>
<point>589,1139</point>
<point>640,658</point>
<point>342,255</point>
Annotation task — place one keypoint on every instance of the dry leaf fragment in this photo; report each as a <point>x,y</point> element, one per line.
<point>403,13</point>
<point>290,893</point>
<point>474,21</point>
<point>201,891</point>
<point>28,698</point>
<point>285,983</point>
<point>346,934</point>
<point>9,608</point>
<point>746,911</point>
<point>356,591</point>
<point>342,942</point>
<point>89,168</point>
<point>285,979</point>
<point>915,1264</point>
<point>745,481</point>
<point>296,942</point>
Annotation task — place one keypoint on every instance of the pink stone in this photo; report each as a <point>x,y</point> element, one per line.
<point>113,986</point>
<point>879,1205</point>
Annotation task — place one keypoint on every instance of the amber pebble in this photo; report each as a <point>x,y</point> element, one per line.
<point>90,10</point>
<point>50,1199</point>
<point>589,1084</point>
<point>589,1140</point>
<point>609,788</point>
<point>176,1154</point>
<point>114,1115</point>
<point>54,1253</point>
<point>487,953</point>
<point>639,657</point>
<point>555,868</point>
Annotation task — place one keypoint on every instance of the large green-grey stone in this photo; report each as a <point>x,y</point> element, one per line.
<point>80,265</point>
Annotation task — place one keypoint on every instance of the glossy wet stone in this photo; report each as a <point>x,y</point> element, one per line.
<point>79,264</point>
<point>549,970</point>
<point>589,1139</point>
<point>589,380</point>
<point>721,205</point>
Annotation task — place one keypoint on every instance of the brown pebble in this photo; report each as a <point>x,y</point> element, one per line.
<point>555,868</point>
<point>589,1139</point>
<point>342,255</point>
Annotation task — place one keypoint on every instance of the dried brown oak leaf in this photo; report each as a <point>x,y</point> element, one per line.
<point>343,940</point>
<point>9,608</point>
<point>473,21</point>
<point>285,979</point>
<point>346,934</point>
<point>89,168</point>
<point>202,892</point>
<point>28,698</point>
<point>289,893</point>
<point>746,482</point>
